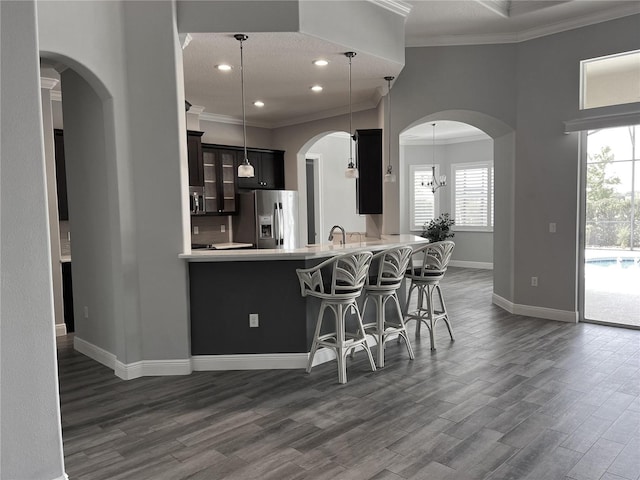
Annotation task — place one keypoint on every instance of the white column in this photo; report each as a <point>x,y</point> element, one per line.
<point>46,84</point>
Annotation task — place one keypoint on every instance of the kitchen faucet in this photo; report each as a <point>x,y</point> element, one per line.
<point>344,237</point>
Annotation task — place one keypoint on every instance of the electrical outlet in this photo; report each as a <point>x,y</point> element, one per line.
<point>223,228</point>
<point>552,228</point>
<point>254,320</point>
<point>534,281</point>
<point>196,230</point>
<point>86,312</point>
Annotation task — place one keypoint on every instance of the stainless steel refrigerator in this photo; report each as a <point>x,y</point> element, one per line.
<point>267,219</point>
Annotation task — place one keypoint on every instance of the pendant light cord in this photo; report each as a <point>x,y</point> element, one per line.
<point>388,79</point>
<point>244,121</point>
<point>350,114</point>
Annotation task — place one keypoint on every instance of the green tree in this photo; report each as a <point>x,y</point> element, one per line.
<point>607,212</point>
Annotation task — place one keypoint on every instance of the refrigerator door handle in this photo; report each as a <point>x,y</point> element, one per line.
<point>276,223</point>
<point>281,224</point>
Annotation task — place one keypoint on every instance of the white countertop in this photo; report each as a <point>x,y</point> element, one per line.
<point>312,251</point>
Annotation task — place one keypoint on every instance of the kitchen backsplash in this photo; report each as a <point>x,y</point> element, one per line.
<point>210,229</point>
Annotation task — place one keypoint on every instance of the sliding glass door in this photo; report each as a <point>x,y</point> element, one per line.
<point>611,283</point>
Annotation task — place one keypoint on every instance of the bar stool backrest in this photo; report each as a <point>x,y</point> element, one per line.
<point>346,274</point>
<point>388,268</point>
<point>435,260</point>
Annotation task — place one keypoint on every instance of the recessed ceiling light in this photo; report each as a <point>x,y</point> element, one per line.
<point>320,63</point>
<point>259,103</point>
<point>224,67</point>
<point>316,88</point>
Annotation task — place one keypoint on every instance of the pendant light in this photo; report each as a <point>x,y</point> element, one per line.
<point>389,177</point>
<point>352,169</point>
<point>436,183</point>
<point>245,169</point>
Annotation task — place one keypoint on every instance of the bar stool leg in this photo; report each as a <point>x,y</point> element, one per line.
<point>422,295</point>
<point>403,327</point>
<point>316,336</point>
<point>444,311</point>
<point>380,320</point>
<point>364,337</point>
<point>431,310</point>
<point>340,340</point>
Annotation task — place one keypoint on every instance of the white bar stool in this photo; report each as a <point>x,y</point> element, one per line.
<point>425,278</point>
<point>386,275</point>
<point>344,278</point>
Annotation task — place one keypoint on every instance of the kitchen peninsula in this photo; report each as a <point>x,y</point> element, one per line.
<point>226,286</point>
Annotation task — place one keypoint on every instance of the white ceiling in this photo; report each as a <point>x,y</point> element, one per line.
<point>279,69</point>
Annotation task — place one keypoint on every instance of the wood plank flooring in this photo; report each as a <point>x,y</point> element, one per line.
<point>512,398</point>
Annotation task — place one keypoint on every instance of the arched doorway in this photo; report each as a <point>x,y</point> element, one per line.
<point>503,138</point>
<point>464,155</point>
<point>89,146</point>
<point>321,164</point>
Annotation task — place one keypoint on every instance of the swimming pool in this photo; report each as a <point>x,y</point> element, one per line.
<point>622,262</point>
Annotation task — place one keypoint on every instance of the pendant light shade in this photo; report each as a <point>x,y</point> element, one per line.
<point>389,177</point>
<point>352,169</point>
<point>245,169</point>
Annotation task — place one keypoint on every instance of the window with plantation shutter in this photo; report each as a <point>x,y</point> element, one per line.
<point>473,196</point>
<point>422,202</point>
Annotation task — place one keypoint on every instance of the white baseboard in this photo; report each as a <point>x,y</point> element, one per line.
<point>200,363</point>
<point>470,264</point>
<point>61,329</point>
<point>257,361</point>
<point>98,354</point>
<point>538,312</point>
<point>144,368</point>
<point>63,477</point>
<point>152,368</point>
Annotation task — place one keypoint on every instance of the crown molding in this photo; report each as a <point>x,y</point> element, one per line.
<point>632,8</point>
<point>48,83</point>
<point>499,7</point>
<point>622,11</point>
<point>185,39</point>
<point>455,40</point>
<point>446,141</point>
<point>395,6</point>
<point>213,117</point>
<point>196,110</point>
<point>334,112</point>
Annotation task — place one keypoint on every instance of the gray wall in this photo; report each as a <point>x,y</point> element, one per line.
<point>547,160</point>
<point>128,237</point>
<point>87,168</point>
<point>530,88</point>
<point>31,440</point>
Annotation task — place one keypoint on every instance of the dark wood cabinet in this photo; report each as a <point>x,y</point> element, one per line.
<point>268,168</point>
<point>369,159</point>
<point>61,175</point>
<point>220,179</point>
<point>194,151</point>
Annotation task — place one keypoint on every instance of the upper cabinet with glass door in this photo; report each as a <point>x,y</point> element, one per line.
<point>220,180</point>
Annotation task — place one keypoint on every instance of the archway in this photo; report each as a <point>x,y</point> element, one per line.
<point>335,196</point>
<point>91,172</point>
<point>503,156</point>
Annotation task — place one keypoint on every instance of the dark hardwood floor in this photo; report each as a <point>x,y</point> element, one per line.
<point>512,398</point>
